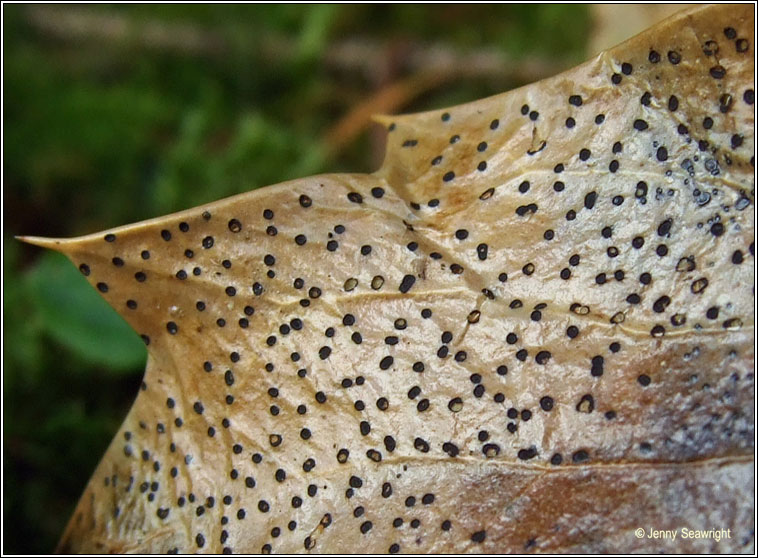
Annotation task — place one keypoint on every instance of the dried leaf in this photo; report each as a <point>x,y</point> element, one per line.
<point>491,344</point>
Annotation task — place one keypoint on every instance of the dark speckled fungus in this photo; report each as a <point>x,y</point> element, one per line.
<point>531,329</point>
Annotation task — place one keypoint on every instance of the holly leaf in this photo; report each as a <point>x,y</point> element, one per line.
<point>530,330</point>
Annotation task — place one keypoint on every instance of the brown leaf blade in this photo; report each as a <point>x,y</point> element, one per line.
<point>530,330</point>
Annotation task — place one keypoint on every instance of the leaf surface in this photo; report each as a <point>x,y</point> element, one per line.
<point>530,330</point>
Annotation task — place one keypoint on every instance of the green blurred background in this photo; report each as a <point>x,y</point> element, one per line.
<point>115,114</point>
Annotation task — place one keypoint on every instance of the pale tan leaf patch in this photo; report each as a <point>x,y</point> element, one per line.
<point>530,331</point>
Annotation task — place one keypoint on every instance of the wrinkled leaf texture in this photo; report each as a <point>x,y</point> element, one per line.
<point>530,331</point>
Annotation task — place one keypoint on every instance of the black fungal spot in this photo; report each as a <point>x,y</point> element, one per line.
<point>717,72</point>
<point>479,536</point>
<point>542,357</point>
<point>527,454</point>
<point>640,125</point>
<point>590,199</point>
<point>597,366</point>
<point>661,304</point>
<point>725,103</point>
<point>407,282</point>
<point>664,228</point>
<point>305,201</point>
<point>546,403</point>
<point>580,456</point>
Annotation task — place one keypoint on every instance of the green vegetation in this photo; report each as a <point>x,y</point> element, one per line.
<point>164,107</point>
